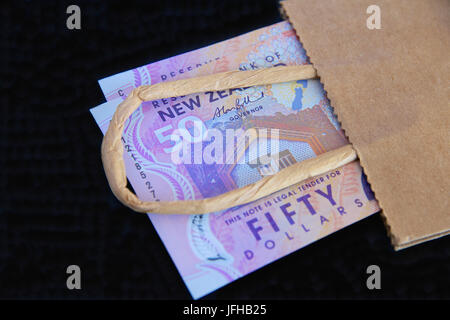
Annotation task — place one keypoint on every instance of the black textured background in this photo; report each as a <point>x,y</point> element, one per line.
<point>56,208</point>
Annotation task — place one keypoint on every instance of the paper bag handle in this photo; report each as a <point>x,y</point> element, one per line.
<point>112,147</point>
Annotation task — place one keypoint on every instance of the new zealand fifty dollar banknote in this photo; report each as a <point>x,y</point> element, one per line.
<point>271,127</point>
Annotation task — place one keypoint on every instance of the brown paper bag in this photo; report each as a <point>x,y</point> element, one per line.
<point>390,90</point>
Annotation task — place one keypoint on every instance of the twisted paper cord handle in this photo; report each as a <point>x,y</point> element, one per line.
<point>112,147</point>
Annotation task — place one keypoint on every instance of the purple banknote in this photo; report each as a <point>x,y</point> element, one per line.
<point>205,144</point>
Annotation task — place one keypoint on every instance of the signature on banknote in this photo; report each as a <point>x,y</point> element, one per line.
<point>239,105</point>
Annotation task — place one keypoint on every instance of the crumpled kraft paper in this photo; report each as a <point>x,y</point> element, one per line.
<point>112,147</point>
